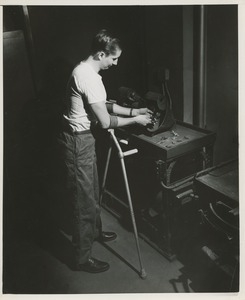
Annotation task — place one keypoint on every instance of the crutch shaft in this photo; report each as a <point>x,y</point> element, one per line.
<point>142,273</point>
<point>105,173</point>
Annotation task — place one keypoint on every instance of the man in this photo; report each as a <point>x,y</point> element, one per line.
<point>86,106</point>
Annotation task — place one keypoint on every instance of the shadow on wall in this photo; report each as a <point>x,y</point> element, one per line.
<point>34,174</point>
<point>54,81</point>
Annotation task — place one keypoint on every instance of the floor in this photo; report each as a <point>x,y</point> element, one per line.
<point>38,261</point>
<point>44,266</point>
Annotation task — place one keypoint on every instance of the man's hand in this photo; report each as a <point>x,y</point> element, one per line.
<point>143,111</point>
<point>144,119</point>
<point>143,116</point>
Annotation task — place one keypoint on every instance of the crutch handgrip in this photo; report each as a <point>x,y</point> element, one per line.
<point>130,152</point>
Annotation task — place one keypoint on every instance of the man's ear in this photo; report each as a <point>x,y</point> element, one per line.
<point>101,55</point>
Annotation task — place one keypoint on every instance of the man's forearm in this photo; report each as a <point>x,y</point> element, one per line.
<point>124,111</point>
<point>126,121</point>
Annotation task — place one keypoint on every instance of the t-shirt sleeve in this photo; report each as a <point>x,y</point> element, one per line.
<point>92,89</point>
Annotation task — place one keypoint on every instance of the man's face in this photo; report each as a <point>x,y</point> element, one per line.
<point>110,60</point>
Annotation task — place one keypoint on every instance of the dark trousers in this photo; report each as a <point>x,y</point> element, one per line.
<point>78,158</point>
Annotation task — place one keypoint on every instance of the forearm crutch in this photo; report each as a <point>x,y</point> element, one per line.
<point>121,157</point>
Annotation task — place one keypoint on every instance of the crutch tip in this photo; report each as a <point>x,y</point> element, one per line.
<point>143,274</point>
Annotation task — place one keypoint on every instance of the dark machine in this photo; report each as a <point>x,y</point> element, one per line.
<point>159,103</point>
<point>170,154</point>
<point>161,178</point>
<point>218,192</point>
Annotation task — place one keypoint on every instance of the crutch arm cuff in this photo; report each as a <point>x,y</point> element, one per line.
<point>113,121</point>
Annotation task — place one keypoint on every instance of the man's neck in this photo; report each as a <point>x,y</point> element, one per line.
<point>93,63</point>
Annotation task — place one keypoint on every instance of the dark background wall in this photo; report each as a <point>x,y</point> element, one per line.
<point>164,49</point>
<point>151,36</point>
<point>222,79</point>
<point>67,33</point>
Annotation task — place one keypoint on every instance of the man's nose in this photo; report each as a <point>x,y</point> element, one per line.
<point>115,62</point>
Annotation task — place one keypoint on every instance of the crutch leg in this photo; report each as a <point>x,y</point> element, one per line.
<point>105,174</point>
<point>142,270</point>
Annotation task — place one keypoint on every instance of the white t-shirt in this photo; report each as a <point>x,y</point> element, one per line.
<point>85,87</point>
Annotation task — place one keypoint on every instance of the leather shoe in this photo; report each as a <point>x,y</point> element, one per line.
<point>93,265</point>
<point>107,236</point>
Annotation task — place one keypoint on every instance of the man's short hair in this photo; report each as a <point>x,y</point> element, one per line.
<point>104,41</point>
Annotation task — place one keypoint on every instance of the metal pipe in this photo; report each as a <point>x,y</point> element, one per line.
<point>202,69</point>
